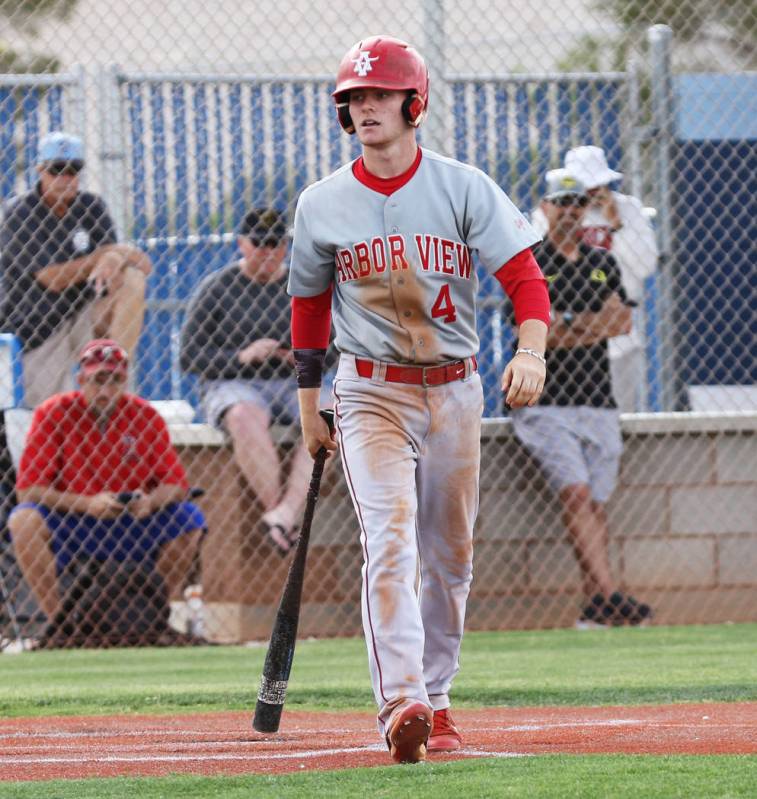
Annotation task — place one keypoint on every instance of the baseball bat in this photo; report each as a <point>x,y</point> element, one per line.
<point>278,659</point>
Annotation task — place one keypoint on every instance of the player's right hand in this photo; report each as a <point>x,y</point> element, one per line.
<point>316,434</point>
<point>104,505</point>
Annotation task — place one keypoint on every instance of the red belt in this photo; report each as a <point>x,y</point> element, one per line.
<point>419,375</point>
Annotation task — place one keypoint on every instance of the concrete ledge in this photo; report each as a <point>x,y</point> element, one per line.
<point>198,434</point>
<point>691,422</point>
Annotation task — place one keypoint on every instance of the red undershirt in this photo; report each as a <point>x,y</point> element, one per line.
<point>520,277</point>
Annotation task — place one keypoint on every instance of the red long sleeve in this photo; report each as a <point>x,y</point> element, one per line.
<point>311,321</point>
<point>524,284</point>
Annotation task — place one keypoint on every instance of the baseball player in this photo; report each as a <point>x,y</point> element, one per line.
<point>385,245</point>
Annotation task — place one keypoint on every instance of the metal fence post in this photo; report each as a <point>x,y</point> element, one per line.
<point>112,155</point>
<point>636,134</point>
<point>660,39</point>
<point>435,133</point>
<point>77,104</point>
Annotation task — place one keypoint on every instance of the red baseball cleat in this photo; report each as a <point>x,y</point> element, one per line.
<point>445,737</point>
<point>407,732</point>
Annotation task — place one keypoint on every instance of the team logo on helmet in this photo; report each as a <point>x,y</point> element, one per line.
<point>363,63</point>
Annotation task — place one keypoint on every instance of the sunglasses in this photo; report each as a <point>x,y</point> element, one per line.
<point>64,167</point>
<point>103,378</point>
<point>570,200</point>
<point>105,355</point>
<point>267,242</point>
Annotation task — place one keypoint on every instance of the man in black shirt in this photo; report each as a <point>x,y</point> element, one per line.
<point>236,339</point>
<point>574,431</point>
<point>65,279</point>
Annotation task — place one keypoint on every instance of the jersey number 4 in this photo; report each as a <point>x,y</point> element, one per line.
<point>443,307</point>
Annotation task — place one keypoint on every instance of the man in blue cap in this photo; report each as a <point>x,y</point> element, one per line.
<point>65,277</point>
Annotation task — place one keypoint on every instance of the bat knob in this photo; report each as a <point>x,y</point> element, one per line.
<point>328,416</point>
<point>267,717</point>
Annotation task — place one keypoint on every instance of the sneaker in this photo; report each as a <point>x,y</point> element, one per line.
<point>445,737</point>
<point>407,732</point>
<point>627,610</point>
<point>617,610</point>
<point>592,614</point>
<point>171,637</point>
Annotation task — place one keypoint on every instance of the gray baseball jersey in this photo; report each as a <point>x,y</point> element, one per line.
<point>404,282</point>
<point>405,291</point>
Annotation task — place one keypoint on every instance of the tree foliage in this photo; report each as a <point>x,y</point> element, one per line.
<point>25,16</point>
<point>706,33</point>
<point>690,19</point>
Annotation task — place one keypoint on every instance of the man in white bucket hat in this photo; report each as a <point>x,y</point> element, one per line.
<point>616,222</point>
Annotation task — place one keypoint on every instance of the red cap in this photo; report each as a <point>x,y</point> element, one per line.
<point>103,355</point>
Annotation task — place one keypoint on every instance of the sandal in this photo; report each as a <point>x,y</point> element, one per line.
<point>280,537</point>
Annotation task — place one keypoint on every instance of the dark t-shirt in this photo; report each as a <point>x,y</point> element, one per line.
<point>227,312</point>
<point>579,375</point>
<point>32,237</point>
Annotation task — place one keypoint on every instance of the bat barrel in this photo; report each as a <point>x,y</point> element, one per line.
<point>278,661</point>
<point>267,717</point>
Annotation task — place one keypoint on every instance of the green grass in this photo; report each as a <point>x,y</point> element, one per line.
<point>553,667</point>
<point>563,776</point>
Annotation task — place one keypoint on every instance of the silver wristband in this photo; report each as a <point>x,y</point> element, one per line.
<point>533,353</point>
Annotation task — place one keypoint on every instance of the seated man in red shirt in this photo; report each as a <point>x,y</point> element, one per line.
<point>99,482</point>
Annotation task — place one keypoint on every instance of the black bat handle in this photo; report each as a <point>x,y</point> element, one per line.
<point>315,479</point>
<point>328,416</point>
<point>278,661</point>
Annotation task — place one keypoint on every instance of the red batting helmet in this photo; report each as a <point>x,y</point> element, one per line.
<point>382,62</point>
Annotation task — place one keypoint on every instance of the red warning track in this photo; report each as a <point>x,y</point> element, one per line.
<point>224,743</point>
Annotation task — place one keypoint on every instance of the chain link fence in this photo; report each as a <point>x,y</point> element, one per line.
<point>191,115</point>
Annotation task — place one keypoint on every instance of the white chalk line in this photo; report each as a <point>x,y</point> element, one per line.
<point>211,738</point>
<point>563,724</point>
<point>166,737</point>
<point>310,753</point>
<point>162,732</point>
<point>204,738</point>
<point>273,741</point>
<point>303,754</point>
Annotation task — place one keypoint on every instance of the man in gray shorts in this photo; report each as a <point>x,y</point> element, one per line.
<point>236,339</point>
<point>574,431</point>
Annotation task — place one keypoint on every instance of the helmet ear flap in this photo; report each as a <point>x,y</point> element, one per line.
<point>344,116</point>
<point>413,109</point>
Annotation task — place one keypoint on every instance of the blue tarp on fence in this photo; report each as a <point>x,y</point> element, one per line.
<point>226,144</point>
<point>715,204</point>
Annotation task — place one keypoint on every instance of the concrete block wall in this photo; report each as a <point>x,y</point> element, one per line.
<point>683,533</point>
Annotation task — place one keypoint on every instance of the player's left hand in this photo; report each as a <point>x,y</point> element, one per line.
<point>523,381</point>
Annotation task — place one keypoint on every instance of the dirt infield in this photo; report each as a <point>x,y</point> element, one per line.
<point>224,743</point>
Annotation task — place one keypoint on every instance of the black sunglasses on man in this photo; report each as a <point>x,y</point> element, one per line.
<point>64,167</point>
<point>569,200</point>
